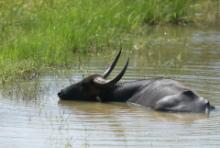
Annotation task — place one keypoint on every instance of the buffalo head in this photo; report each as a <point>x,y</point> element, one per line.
<point>90,87</point>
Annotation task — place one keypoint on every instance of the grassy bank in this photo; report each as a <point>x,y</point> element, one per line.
<point>41,33</point>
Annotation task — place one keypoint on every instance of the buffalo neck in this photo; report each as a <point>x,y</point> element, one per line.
<point>121,92</point>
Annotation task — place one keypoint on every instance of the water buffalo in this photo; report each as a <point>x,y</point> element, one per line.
<point>157,93</point>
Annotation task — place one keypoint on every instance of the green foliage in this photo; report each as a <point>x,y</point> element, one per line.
<point>49,32</point>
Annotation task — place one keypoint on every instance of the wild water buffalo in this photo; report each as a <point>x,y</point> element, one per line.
<point>157,93</point>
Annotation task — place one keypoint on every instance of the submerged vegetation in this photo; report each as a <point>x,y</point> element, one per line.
<point>41,33</point>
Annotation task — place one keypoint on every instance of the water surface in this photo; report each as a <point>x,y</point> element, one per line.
<point>31,115</point>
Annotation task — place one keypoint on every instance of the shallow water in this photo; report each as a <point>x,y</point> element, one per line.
<point>31,115</point>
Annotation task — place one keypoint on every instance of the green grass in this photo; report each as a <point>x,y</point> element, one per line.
<point>40,33</point>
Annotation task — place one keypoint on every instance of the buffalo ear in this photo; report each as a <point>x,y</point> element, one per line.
<point>189,93</point>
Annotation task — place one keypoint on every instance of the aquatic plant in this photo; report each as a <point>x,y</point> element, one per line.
<point>50,32</point>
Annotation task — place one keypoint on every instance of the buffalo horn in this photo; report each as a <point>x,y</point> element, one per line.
<point>105,83</point>
<point>111,67</point>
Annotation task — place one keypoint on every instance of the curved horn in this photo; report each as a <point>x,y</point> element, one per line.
<point>111,67</point>
<point>105,83</point>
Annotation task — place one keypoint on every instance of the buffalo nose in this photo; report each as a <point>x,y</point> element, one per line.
<point>60,94</point>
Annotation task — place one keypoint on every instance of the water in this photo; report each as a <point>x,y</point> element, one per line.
<point>31,115</point>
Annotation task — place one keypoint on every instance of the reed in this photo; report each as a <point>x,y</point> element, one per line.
<point>50,32</point>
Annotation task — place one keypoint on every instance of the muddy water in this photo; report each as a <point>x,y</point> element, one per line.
<point>31,114</point>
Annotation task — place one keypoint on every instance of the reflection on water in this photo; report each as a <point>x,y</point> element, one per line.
<point>31,115</point>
